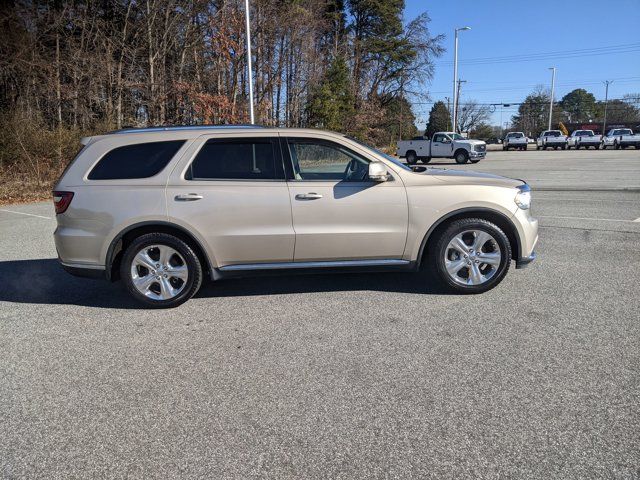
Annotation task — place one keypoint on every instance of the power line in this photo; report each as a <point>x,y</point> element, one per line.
<point>613,49</point>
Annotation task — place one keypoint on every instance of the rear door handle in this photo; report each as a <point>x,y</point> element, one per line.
<point>308,196</point>
<point>188,197</point>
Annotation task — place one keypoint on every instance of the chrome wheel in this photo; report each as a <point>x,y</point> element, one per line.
<point>159,272</point>
<point>472,257</point>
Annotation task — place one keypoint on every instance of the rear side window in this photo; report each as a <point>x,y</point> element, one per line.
<point>141,160</point>
<point>245,159</point>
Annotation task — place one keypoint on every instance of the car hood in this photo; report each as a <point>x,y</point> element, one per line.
<point>470,177</point>
<point>472,142</point>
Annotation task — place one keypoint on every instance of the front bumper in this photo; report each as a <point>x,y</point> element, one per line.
<point>473,154</point>
<point>523,262</point>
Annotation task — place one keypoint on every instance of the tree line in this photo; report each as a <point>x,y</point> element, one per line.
<point>532,117</point>
<point>72,68</point>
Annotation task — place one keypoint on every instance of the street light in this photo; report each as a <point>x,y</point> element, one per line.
<point>553,86</point>
<point>606,101</point>
<point>455,78</point>
<point>250,72</point>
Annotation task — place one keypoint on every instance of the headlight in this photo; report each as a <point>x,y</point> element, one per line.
<point>523,197</point>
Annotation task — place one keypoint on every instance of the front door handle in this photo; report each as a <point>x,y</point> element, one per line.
<point>308,196</point>
<point>188,197</point>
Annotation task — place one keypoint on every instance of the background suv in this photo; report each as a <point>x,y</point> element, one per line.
<point>163,208</point>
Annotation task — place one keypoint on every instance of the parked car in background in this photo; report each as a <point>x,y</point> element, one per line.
<point>442,145</point>
<point>621,138</point>
<point>515,140</point>
<point>551,139</point>
<point>584,139</point>
<point>163,209</point>
<point>494,141</point>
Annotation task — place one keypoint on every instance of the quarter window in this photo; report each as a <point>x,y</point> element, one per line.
<point>142,160</point>
<point>318,160</point>
<point>246,159</point>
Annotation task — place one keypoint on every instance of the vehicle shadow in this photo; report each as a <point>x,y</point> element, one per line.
<point>43,281</point>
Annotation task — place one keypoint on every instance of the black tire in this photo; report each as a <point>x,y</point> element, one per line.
<point>616,146</point>
<point>563,147</point>
<point>412,158</point>
<point>597,147</point>
<point>426,160</point>
<point>461,157</point>
<point>505,148</point>
<point>475,161</point>
<point>538,147</point>
<point>437,253</point>
<point>194,269</point>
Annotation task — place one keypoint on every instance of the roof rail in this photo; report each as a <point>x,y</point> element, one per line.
<point>173,128</point>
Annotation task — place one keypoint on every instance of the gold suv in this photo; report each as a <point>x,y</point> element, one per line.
<point>163,208</point>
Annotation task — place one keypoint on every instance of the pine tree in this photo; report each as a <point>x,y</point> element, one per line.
<point>439,119</point>
<point>331,102</point>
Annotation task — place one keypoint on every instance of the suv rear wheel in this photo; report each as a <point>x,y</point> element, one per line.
<point>471,256</point>
<point>161,270</point>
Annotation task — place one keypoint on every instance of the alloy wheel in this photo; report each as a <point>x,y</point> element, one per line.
<point>472,257</point>
<point>159,272</point>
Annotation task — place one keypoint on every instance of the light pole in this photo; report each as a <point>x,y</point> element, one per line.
<point>606,100</point>
<point>553,87</point>
<point>455,78</point>
<point>250,68</point>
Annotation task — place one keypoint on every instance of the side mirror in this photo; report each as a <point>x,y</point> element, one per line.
<point>378,172</point>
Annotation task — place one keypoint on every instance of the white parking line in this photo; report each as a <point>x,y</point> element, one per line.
<point>22,213</point>
<point>590,218</point>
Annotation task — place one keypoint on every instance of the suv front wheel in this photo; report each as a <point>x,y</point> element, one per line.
<point>471,256</point>
<point>161,270</point>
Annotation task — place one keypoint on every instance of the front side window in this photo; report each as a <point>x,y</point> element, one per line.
<point>440,138</point>
<point>242,159</point>
<point>142,160</point>
<point>321,160</point>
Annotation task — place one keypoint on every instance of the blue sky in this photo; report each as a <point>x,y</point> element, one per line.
<point>503,28</point>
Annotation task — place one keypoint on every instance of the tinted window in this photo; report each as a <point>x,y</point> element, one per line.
<point>317,160</point>
<point>246,159</point>
<point>515,135</point>
<point>141,160</point>
<point>553,133</point>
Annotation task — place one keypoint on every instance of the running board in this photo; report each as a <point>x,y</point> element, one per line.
<point>336,264</point>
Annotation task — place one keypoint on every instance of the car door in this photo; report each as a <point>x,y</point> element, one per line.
<point>231,191</point>
<point>441,146</point>
<point>338,213</point>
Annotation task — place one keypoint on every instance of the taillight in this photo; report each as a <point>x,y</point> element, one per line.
<point>62,200</point>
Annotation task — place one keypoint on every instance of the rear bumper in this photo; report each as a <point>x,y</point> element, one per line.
<point>85,271</point>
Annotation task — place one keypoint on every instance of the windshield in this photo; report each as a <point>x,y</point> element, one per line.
<point>515,135</point>
<point>624,131</point>
<point>585,133</point>
<point>393,160</point>
<point>553,133</point>
<point>456,136</point>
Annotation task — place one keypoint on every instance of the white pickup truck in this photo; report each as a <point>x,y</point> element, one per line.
<point>583,139</point>
<point>442,145</point>
<point>551,139</point>
<point>621,138</point>
<point>516,140</point>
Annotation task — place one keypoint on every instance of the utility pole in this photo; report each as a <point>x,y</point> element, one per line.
<point>456,105</point>
<point>553,87</point>
<point>249,66</point>
<point>455,76</point>
<point>448,99</point>
<point>606,100</point>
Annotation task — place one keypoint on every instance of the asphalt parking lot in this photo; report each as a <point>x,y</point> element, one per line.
<point>350,376</point>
